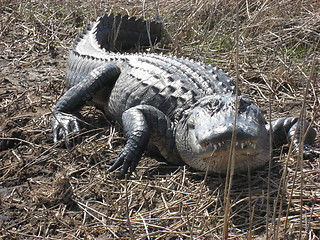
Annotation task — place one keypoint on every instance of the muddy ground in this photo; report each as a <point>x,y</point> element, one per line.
<point>50,192</point>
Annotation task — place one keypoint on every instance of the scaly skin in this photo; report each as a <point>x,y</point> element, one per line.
<point>184,108</point>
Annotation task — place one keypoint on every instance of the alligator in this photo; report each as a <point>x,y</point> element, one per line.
<point>190,111</point>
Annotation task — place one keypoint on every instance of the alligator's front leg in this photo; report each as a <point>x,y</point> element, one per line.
<point>142,123</point>
<point>65,119</point>
<point>283,132</point>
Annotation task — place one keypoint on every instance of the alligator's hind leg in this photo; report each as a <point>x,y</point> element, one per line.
<point>141,123</point>
<point>283,131</point>
<point>65,120</point>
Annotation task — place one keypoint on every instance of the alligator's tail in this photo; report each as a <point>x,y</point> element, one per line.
<point>117,33</point>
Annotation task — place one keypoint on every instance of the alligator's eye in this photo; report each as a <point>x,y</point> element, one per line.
<point>243,104</point>
<point>190,124</point>
<point>213,105</point>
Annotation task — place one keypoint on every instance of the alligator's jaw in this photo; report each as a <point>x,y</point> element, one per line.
<point>214,158</point>
<point>246,154</point>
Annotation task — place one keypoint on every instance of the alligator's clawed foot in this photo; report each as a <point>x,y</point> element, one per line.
<point>65,127</point>
<point>128,161</point>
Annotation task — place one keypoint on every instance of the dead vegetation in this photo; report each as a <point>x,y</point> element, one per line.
<point>54,193</point>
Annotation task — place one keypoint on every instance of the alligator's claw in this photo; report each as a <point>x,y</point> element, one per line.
<point>65,127</point>
<point>128,161</point>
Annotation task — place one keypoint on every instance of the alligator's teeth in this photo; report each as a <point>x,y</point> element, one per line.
<point>219,144</point>
<point>254,146</point>
<point>242,145</point>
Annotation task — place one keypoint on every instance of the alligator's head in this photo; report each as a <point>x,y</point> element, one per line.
<point>204,134</point>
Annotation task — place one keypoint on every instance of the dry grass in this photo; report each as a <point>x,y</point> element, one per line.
<point>55,193</point>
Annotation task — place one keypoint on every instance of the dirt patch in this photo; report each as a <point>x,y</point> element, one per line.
<point>47,191</point>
